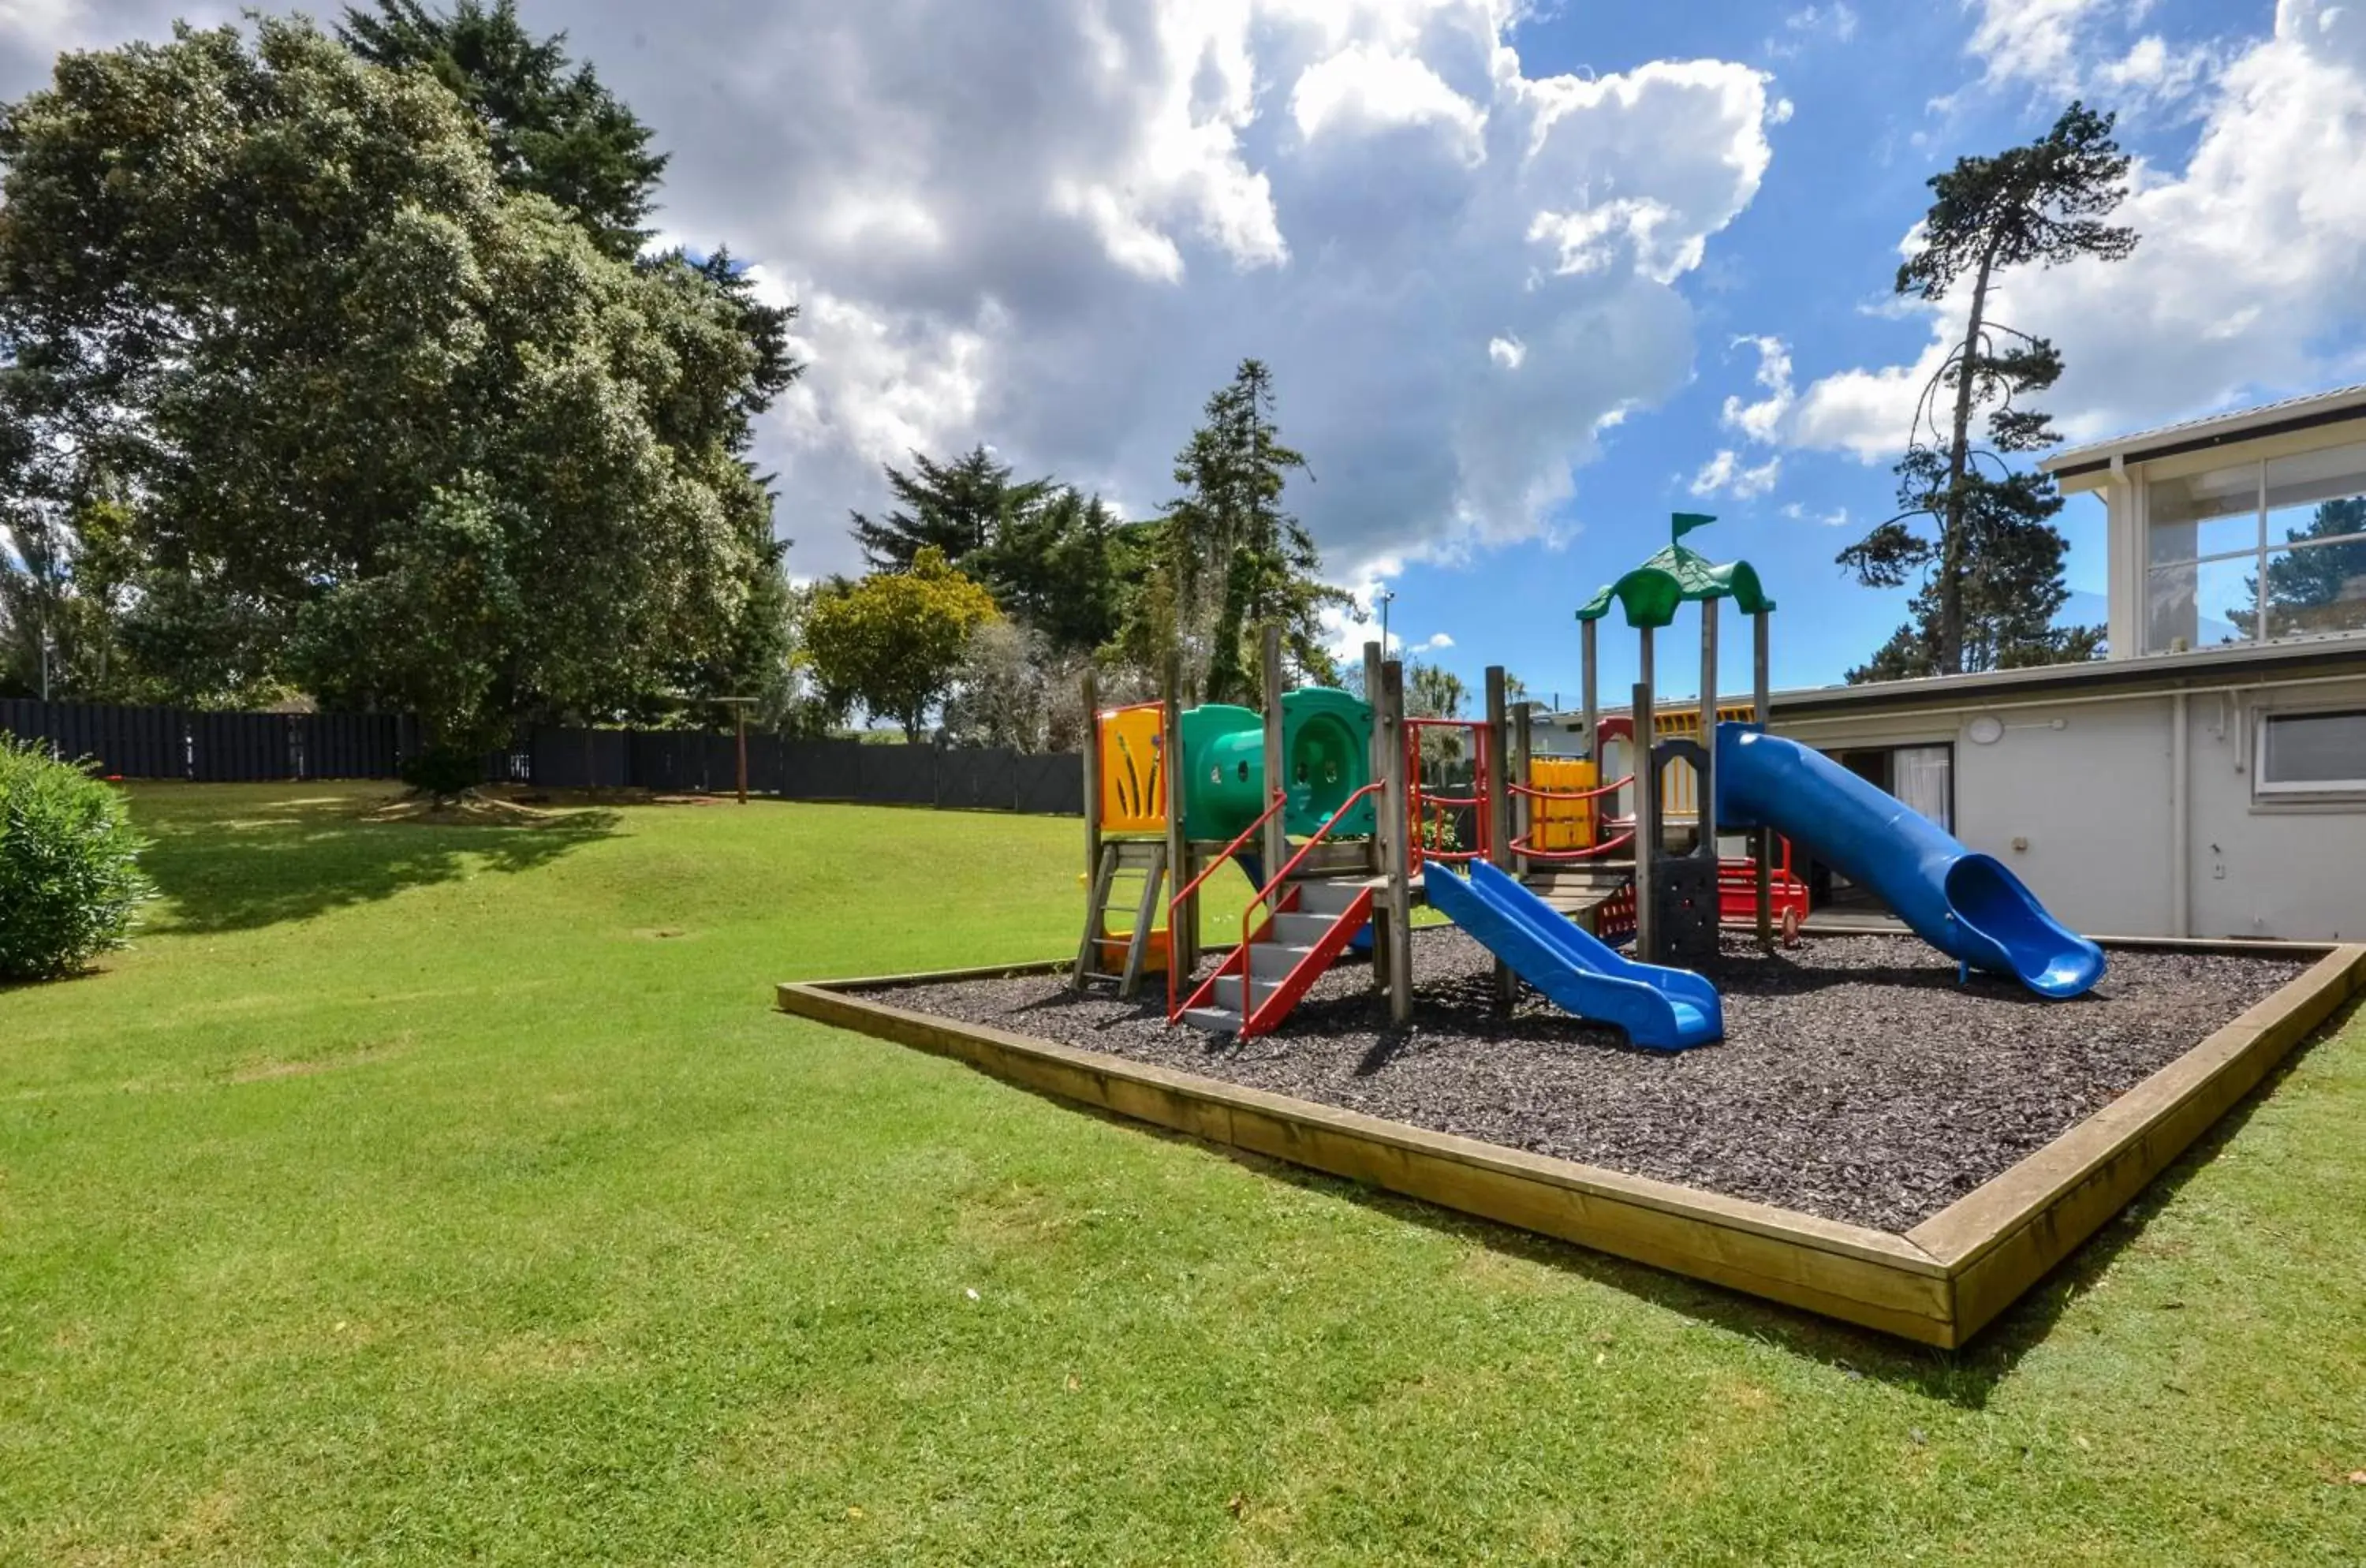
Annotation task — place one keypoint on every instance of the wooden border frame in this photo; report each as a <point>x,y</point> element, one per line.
<point>1939,1283</point>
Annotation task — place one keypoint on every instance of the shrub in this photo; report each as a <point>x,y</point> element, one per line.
<point>443,770</point>
<point>69,865</point>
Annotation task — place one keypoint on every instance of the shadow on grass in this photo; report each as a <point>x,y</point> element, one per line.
<point>288,860</point>
<point>1966,1378</point>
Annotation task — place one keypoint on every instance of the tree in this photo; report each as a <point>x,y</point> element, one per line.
<point>384,430</point>
<point>1432,691</point>
<point>2317,589</point>
<point>553,130</point>
<point>1233,561</point>
<point>1994,568</point>
<point>959,508</point>
<point>1001,693</point>
<point>893,641</point>
<point>1053,566</point>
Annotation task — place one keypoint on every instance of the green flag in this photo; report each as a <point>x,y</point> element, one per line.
<point>1685,522</point>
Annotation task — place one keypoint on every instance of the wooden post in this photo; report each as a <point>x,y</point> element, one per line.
<point>1589,698</point>
<point>1276,827</point>
<point>1398,925</point>
<point>1183,924</point>
<point>1380,772</point>
<point>1492,790</point>
<point>1705,785</point>
<point>1524,810</point>
<point>1647,818</point>
<point>740,709</point>
<point>1092,749</point>
<point>1763,847</point>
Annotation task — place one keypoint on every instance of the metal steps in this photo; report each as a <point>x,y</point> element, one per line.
<point>1322,916</point>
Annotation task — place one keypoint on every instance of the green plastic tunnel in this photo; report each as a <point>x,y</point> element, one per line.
<point>1326,747</point>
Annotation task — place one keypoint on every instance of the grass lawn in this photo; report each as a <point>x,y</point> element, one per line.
<point>421,1194</point>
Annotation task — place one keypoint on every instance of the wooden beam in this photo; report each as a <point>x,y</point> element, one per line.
<point>1183,925</point>
<point>1397,930</point>
<point>1498,849</point>
<point>1277,828</point>
<point>1092,749</point>
<point>1523,766</point>
<point>1589,695</point>
<point>1380,771</point>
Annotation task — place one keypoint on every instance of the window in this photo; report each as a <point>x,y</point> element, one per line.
<point>2313,753</point>
<point>2257,552</point>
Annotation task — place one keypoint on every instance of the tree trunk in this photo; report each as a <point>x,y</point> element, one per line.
<point>1951,533</point>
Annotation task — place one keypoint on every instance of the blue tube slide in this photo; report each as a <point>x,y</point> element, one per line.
<point>1666,1009</point>
<point>1963,903</point>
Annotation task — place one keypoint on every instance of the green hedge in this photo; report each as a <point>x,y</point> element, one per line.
<point>70,878</point>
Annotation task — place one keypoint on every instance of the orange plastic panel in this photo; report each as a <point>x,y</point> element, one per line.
<point>1133,784</point>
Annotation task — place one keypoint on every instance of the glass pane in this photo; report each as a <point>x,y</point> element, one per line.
<point>2310,477</point>
<point>2320,588</point>
<point>2204,515</point>
<point>2200,606</point>
<point>2314,747</point>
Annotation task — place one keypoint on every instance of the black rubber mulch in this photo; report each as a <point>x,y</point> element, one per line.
<point>1857,1080</point>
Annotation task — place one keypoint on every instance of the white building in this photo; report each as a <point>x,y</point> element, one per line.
<point>2208,778</point>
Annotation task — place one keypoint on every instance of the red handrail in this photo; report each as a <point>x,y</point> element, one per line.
<point>1520,847</point>
<point>1173,948</point>
<point>1262,894</point>
<point>1419,803</point>
<point>1571,793</point>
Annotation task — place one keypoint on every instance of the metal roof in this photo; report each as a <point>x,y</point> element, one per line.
<point>2211,430</point>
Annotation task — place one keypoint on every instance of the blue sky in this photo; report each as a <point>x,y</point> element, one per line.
<point>1531,273</point>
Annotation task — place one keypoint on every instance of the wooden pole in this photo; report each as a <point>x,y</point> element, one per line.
<point>741,710</point>
<point>1704,786</point>
<point>1092,749</point>
<point>1589,697</point>
<point>1524,810</point>
<point>1276,827</point>
<point>1183,928</point>
<point>1647,818</point>
<point>1492,782</point>
<point>1398,925</point>
<point>1763,847</point>
<point>1380,771</point>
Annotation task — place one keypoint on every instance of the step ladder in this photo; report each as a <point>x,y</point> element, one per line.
<point>1255,987</point>
<point>1585,893</point>
<point>1122,857</point>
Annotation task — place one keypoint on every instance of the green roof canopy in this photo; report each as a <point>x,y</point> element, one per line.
<point>1676,576</point>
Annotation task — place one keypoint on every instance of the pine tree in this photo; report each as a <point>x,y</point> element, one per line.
<point>554,132</point>
<point>1994,568</point>
<point>1233,561</point>
<point>1054,568</point>
<point>958,508</point>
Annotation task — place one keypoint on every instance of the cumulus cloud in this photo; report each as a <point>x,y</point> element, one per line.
<point>2071,48</point>
<point>1057,225</point>
<point>2246,280</point>
<point>1762,419</point>
<point>1725,474</point>
<point>1836,518</point>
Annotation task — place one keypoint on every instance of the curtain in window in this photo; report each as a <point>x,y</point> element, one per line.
<point>1923,774</point>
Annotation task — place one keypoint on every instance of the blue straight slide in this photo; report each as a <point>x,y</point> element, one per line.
<point>1666,1009</point>
<point>1964,904</point>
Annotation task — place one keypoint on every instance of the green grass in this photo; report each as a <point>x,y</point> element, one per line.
<point>419,1194</point>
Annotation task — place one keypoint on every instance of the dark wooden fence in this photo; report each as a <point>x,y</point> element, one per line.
<point>243,747</point>
<point>215,747</point>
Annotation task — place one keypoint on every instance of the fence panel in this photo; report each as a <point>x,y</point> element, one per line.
<point>976,779</point>
<point>897,775</point>
<point>1050,786</point>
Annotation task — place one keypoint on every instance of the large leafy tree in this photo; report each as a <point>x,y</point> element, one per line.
<point>1979,531</point>
<point>893,641</point>
<point>1055,567</point>
<point>1235,560</point>
<point>959,508</point>
<point>384,428</point>
<point>552,127</point>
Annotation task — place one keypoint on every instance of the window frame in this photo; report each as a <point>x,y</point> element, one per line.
<point>2260,552</point>
<point>2270,791</point>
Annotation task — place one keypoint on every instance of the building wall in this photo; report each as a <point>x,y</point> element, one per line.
<point>2080,798</point>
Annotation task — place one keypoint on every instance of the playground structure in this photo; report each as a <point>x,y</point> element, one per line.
<point>1319,799</point>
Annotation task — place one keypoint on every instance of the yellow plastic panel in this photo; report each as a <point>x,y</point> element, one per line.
<point>1134,785</point>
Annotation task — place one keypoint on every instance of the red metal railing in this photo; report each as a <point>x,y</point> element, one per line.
<point>1257,1018</point>
<point>1282,876</point>
<point>1592,851</point>
<point>1173,948</point>
<point>1420,801</point>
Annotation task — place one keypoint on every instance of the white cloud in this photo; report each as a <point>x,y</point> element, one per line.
<point>1725,474</point>
<point>1437,642</point>
<point>1762,420</point>
<point>2069,48</point>
<point>1837,517</point>
<point>1059,224</point>
<point>2246,282</point>
<point>1837,19</point>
